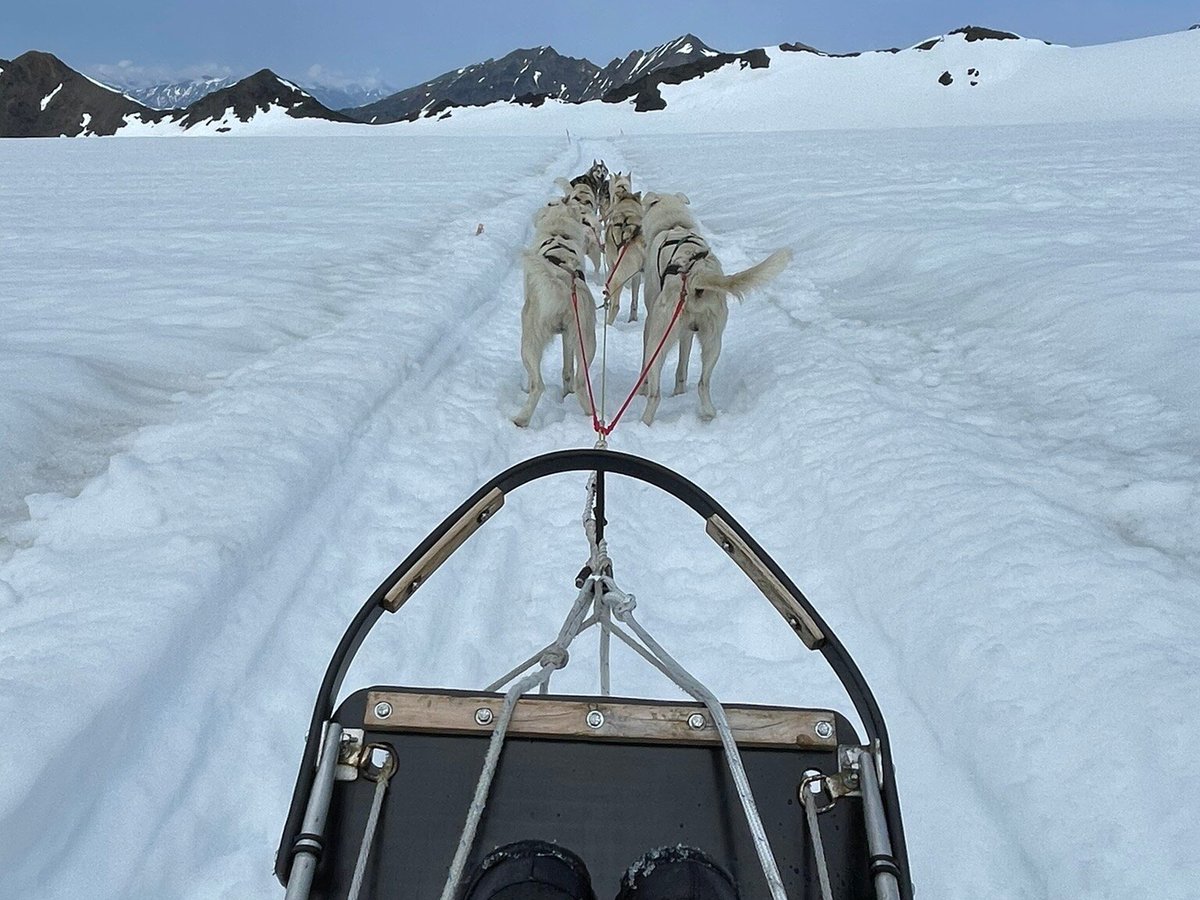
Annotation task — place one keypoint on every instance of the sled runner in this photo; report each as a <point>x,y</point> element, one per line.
<point>401,791</point>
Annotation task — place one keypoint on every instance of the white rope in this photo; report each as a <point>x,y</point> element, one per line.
<point>518,670</point>
<point>554,657</point>
<point>814,831</point>
<point>622,605</point>
<point>364,851</point>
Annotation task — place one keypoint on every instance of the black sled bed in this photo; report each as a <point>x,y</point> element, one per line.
<point>387,779</point>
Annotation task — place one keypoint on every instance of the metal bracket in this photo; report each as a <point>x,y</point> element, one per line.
<point>846,783</point>
<point>350,752</point>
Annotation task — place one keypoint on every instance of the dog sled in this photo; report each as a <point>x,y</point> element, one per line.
<point>402,790</point>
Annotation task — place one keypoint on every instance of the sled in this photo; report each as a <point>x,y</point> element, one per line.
<point>401,790</point>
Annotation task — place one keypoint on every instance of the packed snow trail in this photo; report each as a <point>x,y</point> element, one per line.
<point>967,483</point>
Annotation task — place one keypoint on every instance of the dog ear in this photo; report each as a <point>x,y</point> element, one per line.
<point>637,196</point>
<point>684,198</point>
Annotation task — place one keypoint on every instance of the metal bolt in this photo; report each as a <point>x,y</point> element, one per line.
<point>696,721</point>
<point>595,718</point>
<point>824,729</point>
<point>483,516</point>
<point>727,546</point>
<point>483,716</point>
<point>383,709</point>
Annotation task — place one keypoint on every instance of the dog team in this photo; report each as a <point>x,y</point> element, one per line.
<point>647,240</point>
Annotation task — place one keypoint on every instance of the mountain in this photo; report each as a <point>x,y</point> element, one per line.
<point>540,71</point>
<point>533,76</point>
<point>682,51</point>
<point>968,77</point>
<point>347,96</point>
<point>262,92</point>
<point>41,96</point>
<point>177,94</point>
<point>180,94</point>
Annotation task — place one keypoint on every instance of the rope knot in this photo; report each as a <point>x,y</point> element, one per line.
<point>620,603</point>
<point>554,657</point>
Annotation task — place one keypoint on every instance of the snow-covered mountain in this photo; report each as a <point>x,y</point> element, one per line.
<point>540,71</point>
<point>971,75</point>
<point>41,96</point>
<point>180,94</point>
<point>968,76</point>
<point>348,95</point>
<point>532,76</point>
<point>177,94</point>
<point>262,92</point>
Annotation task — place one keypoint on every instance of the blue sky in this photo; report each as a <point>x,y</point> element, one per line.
<point>403,43</point>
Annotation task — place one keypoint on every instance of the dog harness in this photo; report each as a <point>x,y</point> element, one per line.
<point>672,267</point>
<point>568,264</point>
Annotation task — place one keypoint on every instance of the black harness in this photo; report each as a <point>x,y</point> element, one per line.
<point>623,236</point>
<point>568,263</point>
<point>672,267</point>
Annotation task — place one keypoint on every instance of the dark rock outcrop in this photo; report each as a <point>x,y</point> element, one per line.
<point>645,90</point>
<point>978,33</point>
<point>541,70</point>
<point>41,96</point>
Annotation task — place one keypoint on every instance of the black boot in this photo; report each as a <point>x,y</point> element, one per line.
<point>530,870</point>
<point>676,873</point>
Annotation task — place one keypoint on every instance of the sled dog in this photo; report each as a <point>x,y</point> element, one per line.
<point>586,215</point>
<point>553,268</point>
<point>659,213</point>
<point>597,179</point>
<point>624,248</point>
<point>686,267</point>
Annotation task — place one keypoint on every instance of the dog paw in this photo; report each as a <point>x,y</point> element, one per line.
<point>707,415</point>
<point>521,421</point>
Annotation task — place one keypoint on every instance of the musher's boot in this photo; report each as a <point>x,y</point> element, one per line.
<point>676,873</point>
<point>530,870</point>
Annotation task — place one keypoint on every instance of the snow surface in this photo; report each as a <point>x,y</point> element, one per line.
<point>250,376</point>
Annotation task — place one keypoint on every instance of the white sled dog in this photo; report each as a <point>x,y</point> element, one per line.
<point>581,200</point>
<point>659,213</point>
<point>681,258</point>
<point>624,248</point>
<point>553,270</point>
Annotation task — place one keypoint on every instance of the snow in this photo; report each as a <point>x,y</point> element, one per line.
<point>1022,82</point>
<point>293,87</point>
<point>251,376</point>
<point>50,96</point>
<point>85,123</point>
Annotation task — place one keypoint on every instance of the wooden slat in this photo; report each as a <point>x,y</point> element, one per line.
<point>772,588</point>
<point>440,552</point>
<point>623,721</point>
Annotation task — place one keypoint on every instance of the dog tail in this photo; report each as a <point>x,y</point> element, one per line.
<point>563,185</point>
<point>748,279</point>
